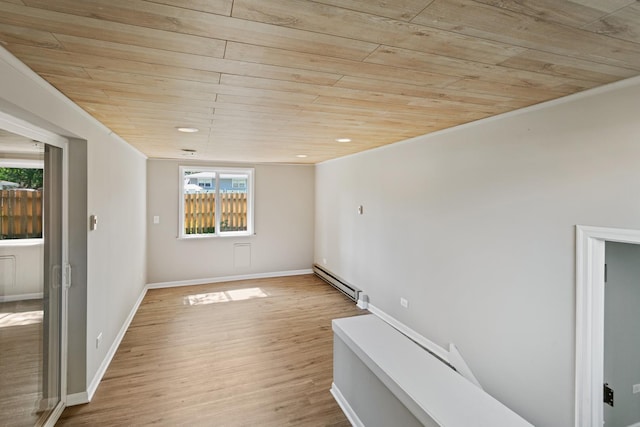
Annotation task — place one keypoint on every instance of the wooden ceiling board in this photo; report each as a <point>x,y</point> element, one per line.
<point>464,69</point>
<point>429,94</point>
<point>348,67</point>
<point>219,7</point>
<point>404,10</point>
<point>480,20</point>
<point>609,6</point>
<point>115,53</point>
<point>562,12</point>
<point>266,80</point>
<point>622,24</point>
<point>158,17</point>
<point>323,19</point>
<point>549,63</point>
<point>21,35</point>
<point>55,22</point>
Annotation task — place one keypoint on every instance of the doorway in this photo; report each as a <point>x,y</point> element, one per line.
<point>622,334</point>
<point>33,277</point>
<point>591,245</point>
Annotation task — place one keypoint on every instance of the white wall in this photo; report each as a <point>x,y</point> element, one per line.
<point>475,226</point>
<point>116,184</point>
<point>283,240</point>
<point>21,264</point>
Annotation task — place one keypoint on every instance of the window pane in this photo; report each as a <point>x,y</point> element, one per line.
<point>199,202</point>
<point>20,203</point>
<point>215,201</point>
<point>233,202</point>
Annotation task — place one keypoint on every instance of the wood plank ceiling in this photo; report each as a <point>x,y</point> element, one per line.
<point>267,80</point>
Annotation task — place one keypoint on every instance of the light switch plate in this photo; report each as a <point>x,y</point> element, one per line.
<point>93,222</point>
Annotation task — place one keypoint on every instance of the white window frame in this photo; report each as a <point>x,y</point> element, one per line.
<point>18,163</point>
<point>218,171</point>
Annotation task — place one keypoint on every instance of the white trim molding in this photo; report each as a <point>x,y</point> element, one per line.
<point>193,282</point>
<point>21,297</point>
<point>346,408</point>
<point>77,398</point>
<point>590,252</point>
<point>95,382</point>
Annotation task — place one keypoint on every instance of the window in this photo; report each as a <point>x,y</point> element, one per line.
<point>20,203</point>
<point>215,201</point>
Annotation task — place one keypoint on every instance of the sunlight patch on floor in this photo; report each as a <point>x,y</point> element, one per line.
<point>224,296</point>
<point>20,319</point>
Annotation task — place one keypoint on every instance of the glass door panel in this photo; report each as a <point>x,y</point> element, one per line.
<point>50,392</point>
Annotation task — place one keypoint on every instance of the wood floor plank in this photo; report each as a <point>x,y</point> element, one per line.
<point>263,361</point>
<point>20,362</point>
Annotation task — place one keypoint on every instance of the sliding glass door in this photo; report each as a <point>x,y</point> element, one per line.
<point>32,279</point>
<point>51,389</point>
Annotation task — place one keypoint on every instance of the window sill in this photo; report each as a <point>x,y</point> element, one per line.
<point>213,236</point>
<point>22,242</point>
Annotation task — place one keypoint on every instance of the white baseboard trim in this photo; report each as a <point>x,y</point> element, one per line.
<point>21,297</point>
<point>635,425</point>
<point>93,385</point>
<point>228,279</point>
<point>413,335</point>
<point>77,398</point>
<point>346,408</point>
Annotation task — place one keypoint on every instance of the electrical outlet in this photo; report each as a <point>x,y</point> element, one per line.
<point>636,388</point>
<point>404,302</point>
<point>98,340</point>
<point>324,261</point>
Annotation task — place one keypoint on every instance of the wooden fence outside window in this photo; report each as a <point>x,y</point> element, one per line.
<point>20,214</point>
<point>200,215</point>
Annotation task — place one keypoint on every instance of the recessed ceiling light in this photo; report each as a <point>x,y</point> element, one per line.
<point>301,156</point>
<point>187,129</point>
<point>343,139</point>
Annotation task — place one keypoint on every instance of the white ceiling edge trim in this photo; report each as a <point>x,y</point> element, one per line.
<point>21,163</point>
<point>23,69</point>
<point>28,130</point>
<point>609,87</point>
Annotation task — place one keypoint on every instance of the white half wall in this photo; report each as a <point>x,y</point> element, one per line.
<point>21,265</point>
<point>283,240</point>
<point>114,269</point>
<point>475,227</point>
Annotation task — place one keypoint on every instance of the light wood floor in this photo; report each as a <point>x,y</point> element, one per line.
<point>20,362</point>
<point>206,356</point>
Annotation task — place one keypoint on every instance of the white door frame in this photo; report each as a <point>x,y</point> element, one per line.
<point>590,252</point>
<point>28,130</point>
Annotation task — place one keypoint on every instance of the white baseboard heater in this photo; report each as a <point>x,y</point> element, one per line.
<point>349,290</point>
